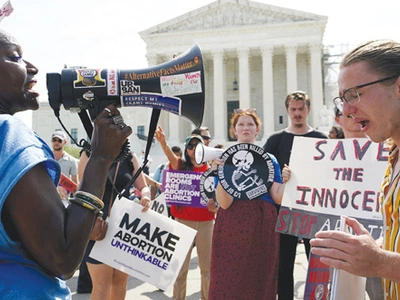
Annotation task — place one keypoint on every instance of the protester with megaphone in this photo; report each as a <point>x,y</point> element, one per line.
<point>200,219</point>
<point>42,241</point>
<point>245,247</point>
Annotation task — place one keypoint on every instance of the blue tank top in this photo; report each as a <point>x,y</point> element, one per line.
<point>20,277</point>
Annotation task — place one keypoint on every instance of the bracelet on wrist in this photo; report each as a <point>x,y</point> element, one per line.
<point>89,201</point>
<point>90,198</point>
<point>87,205</point>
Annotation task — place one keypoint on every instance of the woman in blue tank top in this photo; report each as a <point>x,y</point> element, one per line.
<point>41,241</point>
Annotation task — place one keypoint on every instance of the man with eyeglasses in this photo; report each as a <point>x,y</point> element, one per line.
<point>369,89</point>
<point>352,130</point>
<point>298,107</point>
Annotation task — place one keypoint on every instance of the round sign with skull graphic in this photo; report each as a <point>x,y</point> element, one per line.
<point>248,171</point>
<point>207,186</point>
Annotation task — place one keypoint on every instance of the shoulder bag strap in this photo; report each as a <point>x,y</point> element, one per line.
<point>113,187</point>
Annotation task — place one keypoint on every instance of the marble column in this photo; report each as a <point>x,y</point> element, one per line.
<point>244,78</point>
<point>268,91</point>
<point>218,101</point>
<point>317,93</point>
<point>291,70</point>
<point>173,135</point>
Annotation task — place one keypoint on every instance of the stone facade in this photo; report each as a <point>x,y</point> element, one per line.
<point>268,50</point>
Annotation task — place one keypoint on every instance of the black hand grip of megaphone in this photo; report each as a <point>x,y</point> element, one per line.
<point>53,81</point>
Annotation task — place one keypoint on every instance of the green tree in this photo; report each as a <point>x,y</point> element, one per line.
<point>72,150</point>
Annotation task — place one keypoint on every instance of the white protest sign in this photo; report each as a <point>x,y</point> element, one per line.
<point>330,178</point>
<point>148,246</point>
<point>181,84</point>
<point>346,286</point>
<point>158,205</point>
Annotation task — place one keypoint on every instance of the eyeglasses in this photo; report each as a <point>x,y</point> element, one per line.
<point>56,141</point>
<point>338,113</point>
<point>206,137</point>
<point>248,110</point>
<point>191,146</point>
<point>351,95</point>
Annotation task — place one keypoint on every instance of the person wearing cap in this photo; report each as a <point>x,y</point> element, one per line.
<point>69,167</point>
<point>200,219</point>
<point>68,164</point>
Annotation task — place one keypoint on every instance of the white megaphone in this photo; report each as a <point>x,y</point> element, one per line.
<point>203,153</point>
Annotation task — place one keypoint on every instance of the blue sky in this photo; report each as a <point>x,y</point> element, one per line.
<point>105,33</point>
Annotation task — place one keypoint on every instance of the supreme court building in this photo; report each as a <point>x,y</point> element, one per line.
<point>254,55</point>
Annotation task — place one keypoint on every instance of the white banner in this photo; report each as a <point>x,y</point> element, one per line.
<point>148,246</point>
<point>346,286</point>
<point>158,205</point>
<point>336,177</point>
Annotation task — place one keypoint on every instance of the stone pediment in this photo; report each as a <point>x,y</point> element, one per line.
<point>230,14</point>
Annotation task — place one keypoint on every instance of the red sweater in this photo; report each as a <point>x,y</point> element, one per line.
<point>192,213</point>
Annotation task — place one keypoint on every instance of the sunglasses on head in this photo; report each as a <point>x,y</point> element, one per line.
<point>248,110</point>
<point>191,146</point>
<point>298,95</point>
<point>56,141</point>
